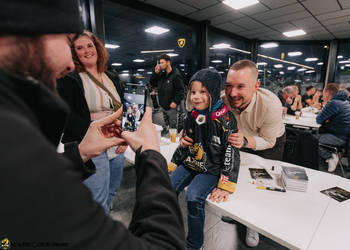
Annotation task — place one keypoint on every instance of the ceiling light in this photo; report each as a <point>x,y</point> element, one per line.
<point>210,67</point>
<point>149,73</point>
<point>344,62</point>
<point>269,45</point>
<point>269,71</point>
<point>124,74</point>
<point>111,46</point>
<point>291,68</point>
<point>320,63</point>
<point>216,61</point>
<point>340,57</point>
<point>221,46</point>
<point>156,51</point>
<point>347,65</point>
<point>117,64</point>
<point>221,72</point>
<point>302,69</point>
<point>172,54</point>
<point>310,71</point>
<point>138,60</point>
<point>182,65</point>
<point>156,30</point>
<point>281,73</point>
<point>261,64</point>
<point>140,70</point>
<point>239,4</point>
<point>260,70</point>
<point>311,59</point>
<point>295,53</point>
<point>294,33</point>
<point>342,67</point>
<point>278,66</point>
<point>125,71</point>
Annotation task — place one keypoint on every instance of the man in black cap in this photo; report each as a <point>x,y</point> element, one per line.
<point>44,204</point>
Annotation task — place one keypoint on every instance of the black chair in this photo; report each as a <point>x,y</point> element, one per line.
<point>341,151</point>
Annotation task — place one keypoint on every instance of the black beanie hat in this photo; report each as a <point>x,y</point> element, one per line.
<point>37,17</point>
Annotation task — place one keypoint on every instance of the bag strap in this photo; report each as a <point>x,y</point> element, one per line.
<point>116,104</point>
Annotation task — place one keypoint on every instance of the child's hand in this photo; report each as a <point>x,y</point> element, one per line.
<point>219,195</point>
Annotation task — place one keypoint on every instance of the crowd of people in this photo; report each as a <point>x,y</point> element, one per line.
<point>61,91</point>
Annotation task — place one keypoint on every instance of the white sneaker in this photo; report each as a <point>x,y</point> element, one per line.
<point>252,238</point>
<point>333,162</point>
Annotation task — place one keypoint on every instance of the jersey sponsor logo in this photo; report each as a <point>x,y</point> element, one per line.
<point>219,113</point>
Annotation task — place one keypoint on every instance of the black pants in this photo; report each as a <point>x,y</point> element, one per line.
<point>274,153</point>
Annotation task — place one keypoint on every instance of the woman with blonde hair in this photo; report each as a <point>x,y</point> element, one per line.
<point>92,93</point>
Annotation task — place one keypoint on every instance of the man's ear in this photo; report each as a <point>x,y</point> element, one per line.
<point>257,84</point>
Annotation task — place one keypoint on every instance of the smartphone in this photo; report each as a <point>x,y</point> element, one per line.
<point>134,106</point>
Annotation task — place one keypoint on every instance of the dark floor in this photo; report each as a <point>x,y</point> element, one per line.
<point>125,201</point>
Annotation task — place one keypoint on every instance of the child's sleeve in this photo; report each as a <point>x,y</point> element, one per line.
<point>181,153</point>
<point>177,159</point>
<point>231,163</point>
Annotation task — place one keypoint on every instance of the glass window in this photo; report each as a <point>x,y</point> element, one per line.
<point>225,51</point>
<point>298,64</point>
<point>139,50</point>
<point>342,71</point>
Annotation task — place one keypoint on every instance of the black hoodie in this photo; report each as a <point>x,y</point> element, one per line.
<point>210,152</point>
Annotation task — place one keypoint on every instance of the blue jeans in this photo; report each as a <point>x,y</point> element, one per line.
<point>329,139</point>
<point>106,181</point>
<point>199,186</point>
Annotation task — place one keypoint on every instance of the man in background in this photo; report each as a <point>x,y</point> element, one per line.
<point>170,86</point>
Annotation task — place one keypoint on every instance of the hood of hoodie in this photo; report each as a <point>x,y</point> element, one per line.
<point>341,95</point>
<point>211,79</point>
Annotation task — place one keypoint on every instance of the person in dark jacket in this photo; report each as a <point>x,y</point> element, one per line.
<point>92,93</point>
<point>170,86</point>
<point>335,121</point>
<point>44,202</point>
<point>211,161</point>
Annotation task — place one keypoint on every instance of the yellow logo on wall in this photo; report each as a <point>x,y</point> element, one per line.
<point>5,244</point>
<point>181,42</point>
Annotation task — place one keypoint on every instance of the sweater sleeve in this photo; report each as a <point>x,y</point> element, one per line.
<point>48,187</point>
<point>71,151</point>
<point>229,172</point>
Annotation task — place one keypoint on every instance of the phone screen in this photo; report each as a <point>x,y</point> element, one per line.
<point>134,106</point>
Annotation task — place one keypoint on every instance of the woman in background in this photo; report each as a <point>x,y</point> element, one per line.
<point>92,93</point>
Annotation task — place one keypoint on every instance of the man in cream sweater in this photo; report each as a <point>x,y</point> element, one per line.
<point>259,115</point>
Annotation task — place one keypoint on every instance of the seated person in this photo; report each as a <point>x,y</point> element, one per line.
<point>335,121</point>
<point>348,89</point>
<point>307,98</point>
<point>317,99</point>
<point>286,98</point>
<point>297,103</point>
<point>209,163</point>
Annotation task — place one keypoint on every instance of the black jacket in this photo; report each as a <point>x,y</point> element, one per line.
<point>170,87</point>
<point>71,90</point>
<point>210,152</point>
<point>43,199</point>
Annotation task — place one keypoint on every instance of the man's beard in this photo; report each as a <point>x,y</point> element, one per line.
<point>27,59</point>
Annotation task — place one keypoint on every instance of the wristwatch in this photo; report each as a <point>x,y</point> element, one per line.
<point>245,142</point>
